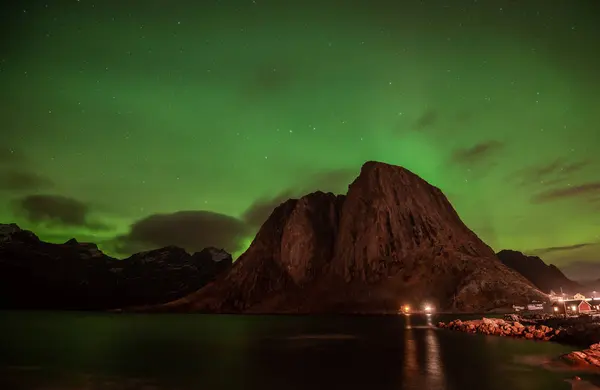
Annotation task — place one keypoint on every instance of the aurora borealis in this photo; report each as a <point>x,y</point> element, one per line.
<point>137,124</point>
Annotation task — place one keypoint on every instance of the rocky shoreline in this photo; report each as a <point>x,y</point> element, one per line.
<point>574,331</point>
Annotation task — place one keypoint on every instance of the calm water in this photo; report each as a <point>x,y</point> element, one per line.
<point>47,350</point>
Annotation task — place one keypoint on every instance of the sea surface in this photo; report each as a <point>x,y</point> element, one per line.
<point>69,350</point>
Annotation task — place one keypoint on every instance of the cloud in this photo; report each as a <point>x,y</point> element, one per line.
<point>56,209</point>
<point>427,119</point>
<point>195,230</point>
<point>23,181</point>
<point>576,261</point>
<point>542,251</point>
<point>336,181</point>
<point>551,173</point>
<point>16,175</point>
<point>476,154</point>
<point>191,230</point>
<point>579,191</point>
<point>260,210</point>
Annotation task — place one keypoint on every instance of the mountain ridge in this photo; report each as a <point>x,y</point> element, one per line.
<point>547,277</point>
<point>38,275</point>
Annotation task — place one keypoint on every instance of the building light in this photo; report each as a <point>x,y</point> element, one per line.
<point>573,307</point>
<point>555,308</point>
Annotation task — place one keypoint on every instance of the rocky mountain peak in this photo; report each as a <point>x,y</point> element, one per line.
<point>9,228</point>
<point>389,215</point>
<point>11,232</point>
<point>215,254</point>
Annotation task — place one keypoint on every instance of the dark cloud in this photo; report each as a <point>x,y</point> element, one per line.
<point>428,119</point>
<point>579,191</point>
<point>260,210</point>
<point>23,181</point>
<point>542,251</point>
<point>551,173</point>
<point>191,230</point>
<point>56,209</point>
<point>335,181</point>
<point>476,154</point>
<point>195,230</point>
<point>16,174</point>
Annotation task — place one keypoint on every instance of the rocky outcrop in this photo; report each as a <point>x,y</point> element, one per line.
<point>588,358</point>
<point>39,275</point>
<point>500,327</point>
<point>393,239</point>
<point>572,331</point>
<point>545,277</point>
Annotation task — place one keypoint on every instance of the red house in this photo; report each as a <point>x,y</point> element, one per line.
<point>584,307</point>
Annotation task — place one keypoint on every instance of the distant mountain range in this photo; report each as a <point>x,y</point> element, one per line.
<point>545,277</point>
<point>39,275</point>
<point>393,240</point>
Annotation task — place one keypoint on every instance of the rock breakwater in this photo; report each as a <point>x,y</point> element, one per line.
<point>588,358</point>
<point>500,327</point>
<point>568,332</point>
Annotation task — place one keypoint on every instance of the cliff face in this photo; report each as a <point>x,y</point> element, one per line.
<point>390,217</point>
<point>393,240</point>
<point>39,275</point>
<point>543,276</point>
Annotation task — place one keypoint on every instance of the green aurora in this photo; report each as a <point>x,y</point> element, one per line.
<point>143,123</point>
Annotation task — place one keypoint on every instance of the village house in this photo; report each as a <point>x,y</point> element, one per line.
<point>572,306</point>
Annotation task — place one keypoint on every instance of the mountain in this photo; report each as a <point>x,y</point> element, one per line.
<point>39,275</point>
<point>392,240</point>
<point>545,277</point>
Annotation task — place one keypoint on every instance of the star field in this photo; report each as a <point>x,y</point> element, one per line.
<point>146,123</point>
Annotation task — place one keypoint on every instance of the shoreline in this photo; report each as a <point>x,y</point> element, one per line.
<point>572,332</point>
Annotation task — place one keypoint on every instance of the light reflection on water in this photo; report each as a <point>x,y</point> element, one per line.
<point>423,365</point>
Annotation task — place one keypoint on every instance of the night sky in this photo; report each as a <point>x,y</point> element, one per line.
<point>137,124</point>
